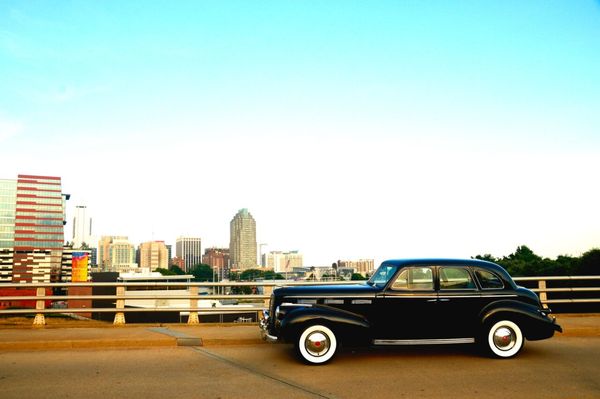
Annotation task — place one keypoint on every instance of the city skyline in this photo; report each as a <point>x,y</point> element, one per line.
<point>350,130</point>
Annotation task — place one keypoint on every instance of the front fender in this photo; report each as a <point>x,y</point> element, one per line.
<point>535,323</point>
<point>349,327</point>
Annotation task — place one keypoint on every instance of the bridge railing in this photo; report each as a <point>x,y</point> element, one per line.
<point>551,290</point>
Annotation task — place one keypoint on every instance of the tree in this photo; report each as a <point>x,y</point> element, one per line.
<point>165,272</point>
<point>251,274</point>
<point>176,270</point>
<point>523,262</point>
<point>357,276</point>
<point>486,257</point>
<point>590,263</point>
<point>202,272</point>
<point>271,275</point>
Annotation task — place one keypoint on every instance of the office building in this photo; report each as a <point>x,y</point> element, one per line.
<point>218,259</point>
<point>242,241</point>
<point>32,219</point>
<point>190,250</point>
<point>116,254</point>
<point>283,262</point>
<point>361,266</point>
<point>82,227</point>
<point>153,255</point>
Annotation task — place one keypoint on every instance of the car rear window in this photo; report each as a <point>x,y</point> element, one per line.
<point>488,280</point>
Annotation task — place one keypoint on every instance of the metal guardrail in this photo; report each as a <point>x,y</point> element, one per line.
<point>258,300</point>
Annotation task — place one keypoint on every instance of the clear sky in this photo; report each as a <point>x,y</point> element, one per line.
<point>349,129</point>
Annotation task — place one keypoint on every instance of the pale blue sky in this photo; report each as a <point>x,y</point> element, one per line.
<point>444,128</point>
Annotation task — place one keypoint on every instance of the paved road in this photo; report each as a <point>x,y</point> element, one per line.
<point>563,367</point>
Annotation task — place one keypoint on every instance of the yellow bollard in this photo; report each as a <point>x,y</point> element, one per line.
<point>193,317</point>
<point>120,316</point>
<point>40,319</point>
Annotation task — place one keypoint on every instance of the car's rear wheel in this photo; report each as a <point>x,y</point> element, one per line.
<point>504,338</point>
<point>316,344</point>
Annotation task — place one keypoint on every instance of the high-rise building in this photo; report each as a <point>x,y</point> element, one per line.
<point>242,241</point>
<point>154,255</point>
<point>32,219</point>
<point>218,259</point>
<point>282,262</point>
<point>8,200</point>
<point>82,227</point>
<point>169,254</point>
<point>116,254</point>
<point>190,250</point>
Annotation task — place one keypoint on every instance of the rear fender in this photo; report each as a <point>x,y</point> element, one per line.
<point>534,323</point>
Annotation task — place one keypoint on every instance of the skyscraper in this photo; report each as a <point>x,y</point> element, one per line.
<point>242,240</point>
<point>190,250</point>
<point>32,219</point>
<point>82,227</point>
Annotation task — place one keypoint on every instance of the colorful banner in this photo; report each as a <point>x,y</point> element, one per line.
<point>79,271</point>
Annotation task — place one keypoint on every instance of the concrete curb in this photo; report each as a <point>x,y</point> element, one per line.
<point>82,344</point>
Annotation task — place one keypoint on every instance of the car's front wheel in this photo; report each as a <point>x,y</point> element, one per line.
<point>504,338</point>
<point>316,344</point>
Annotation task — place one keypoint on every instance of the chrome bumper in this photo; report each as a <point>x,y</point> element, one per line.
<point>264,328</point>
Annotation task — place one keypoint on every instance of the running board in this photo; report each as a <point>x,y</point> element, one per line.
<point>424,341</point>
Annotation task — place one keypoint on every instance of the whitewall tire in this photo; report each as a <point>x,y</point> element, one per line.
<point>316,344</point>
<point>504,339</point>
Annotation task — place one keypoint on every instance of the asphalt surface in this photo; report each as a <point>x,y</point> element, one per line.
<point>19,334</point>
<point>561,368</point>
<point>67,359</point>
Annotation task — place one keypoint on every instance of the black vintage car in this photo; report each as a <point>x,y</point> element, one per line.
<point>410,302</point>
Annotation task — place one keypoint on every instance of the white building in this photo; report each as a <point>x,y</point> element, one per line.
<point>82,227</point>
<point>190,250</point>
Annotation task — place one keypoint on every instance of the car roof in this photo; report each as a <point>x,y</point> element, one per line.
<point>438,261</point>
<point>449,262</point>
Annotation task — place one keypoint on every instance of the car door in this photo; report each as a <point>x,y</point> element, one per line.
<point>406,309</point>
<point>459,302</point>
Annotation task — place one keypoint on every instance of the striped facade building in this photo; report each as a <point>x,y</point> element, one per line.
<point>32,219</point>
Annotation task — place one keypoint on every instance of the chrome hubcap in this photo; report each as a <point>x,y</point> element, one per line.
<point>317,343</point>
<point>504,338</point>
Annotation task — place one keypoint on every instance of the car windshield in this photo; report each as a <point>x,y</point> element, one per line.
<point>382,275</point>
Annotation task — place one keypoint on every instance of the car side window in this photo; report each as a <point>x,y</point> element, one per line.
<point>414,278</point>
<point>455,278</point>
<point>488,280</point>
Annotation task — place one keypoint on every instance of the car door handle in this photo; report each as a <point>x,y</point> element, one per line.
<point>444,300</point>
<point>432,300</point>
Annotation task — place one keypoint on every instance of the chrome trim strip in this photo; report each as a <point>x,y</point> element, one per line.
<point>476,296</point>
<point>424,341</point>
<point>304,305</point>
<point>329,296</point>
<point>410,297</point>
<point>307,301</point>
